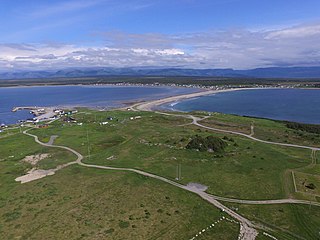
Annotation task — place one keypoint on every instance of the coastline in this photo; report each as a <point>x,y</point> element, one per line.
<point>153,85</point>
<point>151,105</point>
<point>154,105</point>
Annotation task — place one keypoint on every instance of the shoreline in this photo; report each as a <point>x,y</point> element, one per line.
<point>151,105</point>
<point>155,104</point>
<point>151,85</point>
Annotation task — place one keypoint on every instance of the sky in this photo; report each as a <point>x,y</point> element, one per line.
<point>239,34</point>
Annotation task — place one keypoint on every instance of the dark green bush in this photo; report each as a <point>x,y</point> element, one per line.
<point>209,143</point>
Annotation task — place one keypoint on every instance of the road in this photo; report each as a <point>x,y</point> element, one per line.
<point>248,229</point>
<point>196,122</point>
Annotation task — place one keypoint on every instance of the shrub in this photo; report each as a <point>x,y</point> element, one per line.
<point>311,186</point>
<point>123,224</point>
<point>209,143</point>
<point>311,128</point>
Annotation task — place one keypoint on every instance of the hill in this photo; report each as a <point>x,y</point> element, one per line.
<point>272,72</point>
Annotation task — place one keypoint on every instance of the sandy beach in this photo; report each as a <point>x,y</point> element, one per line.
<point>151,105</point>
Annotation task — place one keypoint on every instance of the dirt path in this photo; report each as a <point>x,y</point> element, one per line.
<point>52,138</point>
<point>35,174</point>
<point>248,229</point>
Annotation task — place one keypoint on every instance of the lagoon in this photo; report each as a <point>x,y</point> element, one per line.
<point>297,105</point>
<point>100,97</point>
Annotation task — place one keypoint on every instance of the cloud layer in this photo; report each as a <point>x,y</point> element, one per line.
<point>239,49</point>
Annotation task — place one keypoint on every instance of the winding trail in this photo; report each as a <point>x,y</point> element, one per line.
<point>248,229</point>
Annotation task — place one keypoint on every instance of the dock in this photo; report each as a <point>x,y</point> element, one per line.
<point>39,113</point>
<point>15,109</point>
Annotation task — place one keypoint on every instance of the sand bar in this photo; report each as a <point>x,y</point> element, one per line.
<point>151,105</point>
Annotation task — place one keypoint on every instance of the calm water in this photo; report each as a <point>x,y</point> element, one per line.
<point>297,105</point>
<point>87,96</point>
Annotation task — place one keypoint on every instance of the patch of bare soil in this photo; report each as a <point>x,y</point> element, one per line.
<point>34,159</point>
<point>35,174</point>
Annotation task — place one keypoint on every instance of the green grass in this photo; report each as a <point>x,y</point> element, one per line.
<point>142,144</point>
<point>113,205</point>
<point>263,129</point>
<point>81,203</point>
<point>287,221</point>
<point>303,180</point>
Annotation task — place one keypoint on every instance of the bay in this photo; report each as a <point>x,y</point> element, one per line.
<point>76,96</point>
<point>297,105</point>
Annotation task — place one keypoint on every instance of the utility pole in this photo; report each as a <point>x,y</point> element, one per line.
<point>178,172</point>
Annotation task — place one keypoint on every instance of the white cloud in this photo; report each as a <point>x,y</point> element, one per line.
<point>298,32</point>
<point>239,49</point>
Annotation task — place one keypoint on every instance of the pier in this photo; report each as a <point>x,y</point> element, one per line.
<point>40,113</point>
<point>15,109</point>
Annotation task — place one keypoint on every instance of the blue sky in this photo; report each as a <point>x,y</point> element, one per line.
<point>185,33</point>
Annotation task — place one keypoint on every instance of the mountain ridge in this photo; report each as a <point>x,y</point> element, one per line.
<point>271,72</point>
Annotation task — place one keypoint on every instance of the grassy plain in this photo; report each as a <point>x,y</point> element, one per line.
<point>288,221</point>
<point>156,143</point>
<point>81,203</point>
<point>264,129</point>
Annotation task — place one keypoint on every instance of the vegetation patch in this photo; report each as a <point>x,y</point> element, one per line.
<point>307,183</point>
<point>124,224</point>
<point>311,128</point>
<point>210,144</point>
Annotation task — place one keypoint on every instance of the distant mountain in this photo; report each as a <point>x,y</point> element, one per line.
<point>273,72</point>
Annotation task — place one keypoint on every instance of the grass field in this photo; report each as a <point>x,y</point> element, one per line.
<point>80,203</point>
<point>287,221</point>
<point>118,204</point>
<point>160,149</point>
<point>304,181</point>
<point>264,129</point>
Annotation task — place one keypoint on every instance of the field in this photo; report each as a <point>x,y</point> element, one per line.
<point>287,221</point>
<point>81,203</point>
<point>119,204</point>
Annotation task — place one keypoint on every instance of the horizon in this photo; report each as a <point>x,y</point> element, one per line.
<point>41,35</point>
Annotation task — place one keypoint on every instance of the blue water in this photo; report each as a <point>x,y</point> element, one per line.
<point>299,105</point>
<point>86,96</point>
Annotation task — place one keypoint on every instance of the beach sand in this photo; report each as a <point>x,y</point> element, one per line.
<point>151,105</point>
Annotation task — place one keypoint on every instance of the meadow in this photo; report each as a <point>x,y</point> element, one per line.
<point>139,206</point>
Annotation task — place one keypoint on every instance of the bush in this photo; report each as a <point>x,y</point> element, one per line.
<point>311,128</point>
<point>209,143</point>
<point>311,186</point>
<point>123,224</point>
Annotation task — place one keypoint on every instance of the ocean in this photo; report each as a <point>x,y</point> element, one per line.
<point>297,105</point>
<point>81,96</point>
